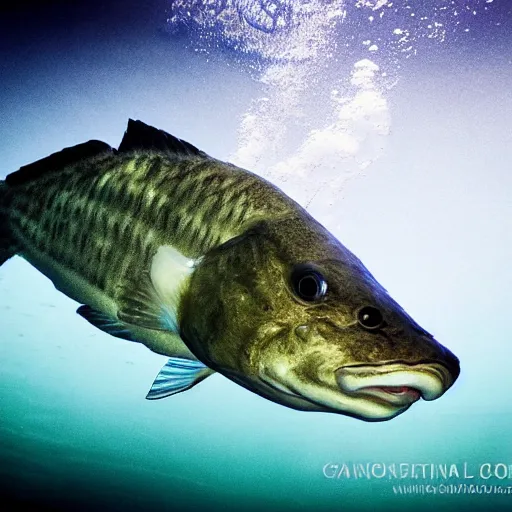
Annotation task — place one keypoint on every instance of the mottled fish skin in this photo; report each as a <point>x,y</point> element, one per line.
<point>106,227</point>
<point>284,343</point>
<point>105,218</point>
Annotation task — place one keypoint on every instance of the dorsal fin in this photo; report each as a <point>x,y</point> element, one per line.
<point>139,135</point>
<point>58,161</point>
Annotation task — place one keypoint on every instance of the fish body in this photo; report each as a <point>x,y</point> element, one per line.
<point>219,270</point>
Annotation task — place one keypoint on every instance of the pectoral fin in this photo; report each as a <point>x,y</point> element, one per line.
<point>107,324</point>
<point>151,300</point>
<point>159,341</point>
<point>139,304</point>
<point>176,376</point>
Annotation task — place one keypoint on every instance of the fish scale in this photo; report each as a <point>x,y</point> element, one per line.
<point>152,200</point>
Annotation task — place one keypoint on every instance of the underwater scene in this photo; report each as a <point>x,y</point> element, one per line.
<point>255,255</point>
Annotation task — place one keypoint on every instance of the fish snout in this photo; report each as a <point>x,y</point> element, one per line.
<point>436,353</point>
<point>397,384</point>
<point>451,361</point>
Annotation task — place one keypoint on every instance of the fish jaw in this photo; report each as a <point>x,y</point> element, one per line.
<point>367,392</point>
<point>399,383</point>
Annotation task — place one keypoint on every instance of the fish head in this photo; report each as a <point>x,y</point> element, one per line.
<point>291,314</point>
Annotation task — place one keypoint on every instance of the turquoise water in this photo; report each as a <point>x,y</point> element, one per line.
<point>423,200</point>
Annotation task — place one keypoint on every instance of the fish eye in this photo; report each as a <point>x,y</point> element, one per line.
<point>370,318</point>
<point>308,283</point>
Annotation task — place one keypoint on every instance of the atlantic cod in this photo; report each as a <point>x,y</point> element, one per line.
<point>220,271</point>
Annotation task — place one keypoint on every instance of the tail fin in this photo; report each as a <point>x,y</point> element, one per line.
<point>7,245</point>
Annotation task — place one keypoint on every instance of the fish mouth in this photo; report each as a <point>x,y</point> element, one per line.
<point>377,392</point>
<point>394,395</point>
<point>397,385</point>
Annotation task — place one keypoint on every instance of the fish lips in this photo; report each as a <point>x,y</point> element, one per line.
<point>397,384</point>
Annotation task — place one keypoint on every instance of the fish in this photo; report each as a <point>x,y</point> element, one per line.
<point>220,271</point>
